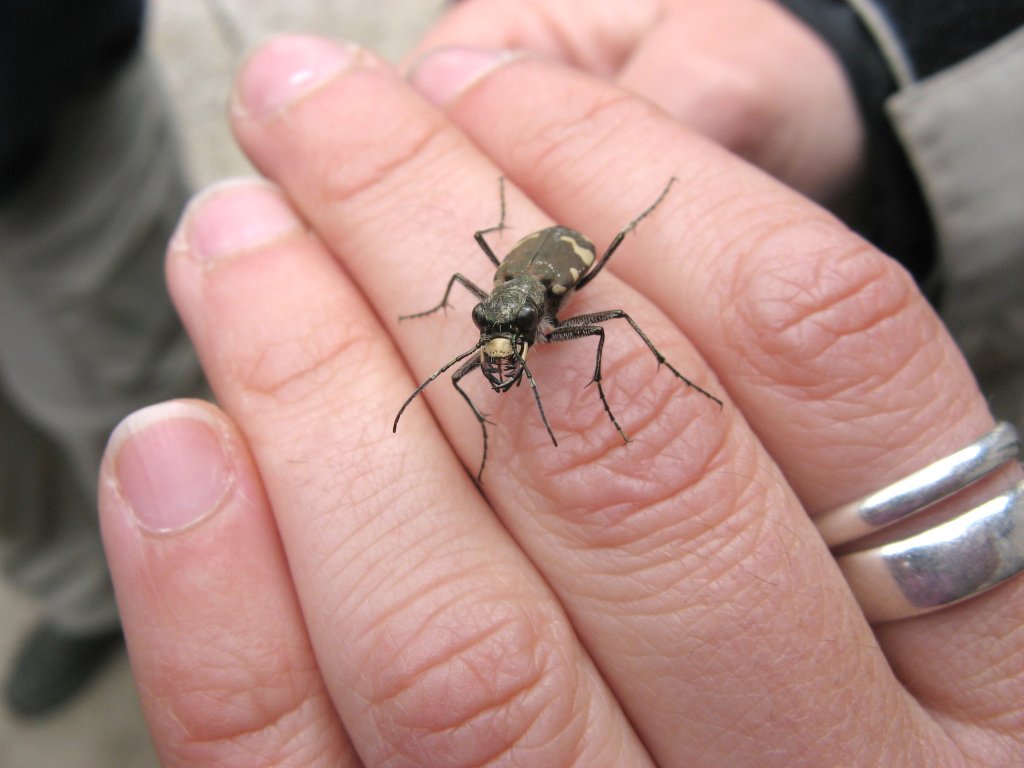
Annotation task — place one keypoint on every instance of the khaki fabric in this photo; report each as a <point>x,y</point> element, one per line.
<point>87,332</point>
<point>963,130</point>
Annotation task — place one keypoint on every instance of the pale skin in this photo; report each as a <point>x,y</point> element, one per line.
<point>299,586</point>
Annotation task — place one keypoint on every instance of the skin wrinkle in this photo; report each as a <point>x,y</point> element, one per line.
<point>642,396</point>
<point>751,724</point>
<point>810,325</point>
<point>347,576</point>
<point>501,710</point>
<point>903,360</point>
<point>646,430</point>
<point>496,709</point>
<point>611,504</point>
<point>234,669</point>
<point>545,623</point>
<point>829,310</point>
<point>275,375</point>
<point>216,724</point>
<point>446,577</point>
<point>407,682</point>
<point>376,561</point>
<point>273,372</point>
<point>335,451</point>
<point>878,427</point>
<point>643,531</point>
<point>282,729</point>
<point>407,606</point>
<point>421,707</point>
<point>585,132</point>
<point>337,180</point>
<point>366,486</point>
<point>666,596</point>
<point>697,467</point>
<point>742,580</point>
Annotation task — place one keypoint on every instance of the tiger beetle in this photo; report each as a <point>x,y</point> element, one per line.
<point>530,284</point>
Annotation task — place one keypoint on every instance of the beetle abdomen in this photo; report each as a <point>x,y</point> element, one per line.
<point>557,257</point>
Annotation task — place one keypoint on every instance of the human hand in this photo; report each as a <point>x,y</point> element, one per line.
<point>299,586</point>
<point>745,73</point>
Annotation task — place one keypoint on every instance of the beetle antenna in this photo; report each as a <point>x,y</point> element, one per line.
<point>433,376</point>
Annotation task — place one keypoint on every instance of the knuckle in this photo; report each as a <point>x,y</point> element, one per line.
<point>558,145</point>
<point>309,362</point>
<point>370,160</point>
<point>674,431</point>
<point>476,677</point>
<point>231,716</point>
<point>823,314</point>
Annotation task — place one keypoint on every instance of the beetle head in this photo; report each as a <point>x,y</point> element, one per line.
<point>508,326</point>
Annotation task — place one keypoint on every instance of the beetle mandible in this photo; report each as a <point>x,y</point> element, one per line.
<point>530,284</point>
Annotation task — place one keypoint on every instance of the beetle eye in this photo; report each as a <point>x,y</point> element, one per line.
<point>478,316</point>
<point>527,319</point>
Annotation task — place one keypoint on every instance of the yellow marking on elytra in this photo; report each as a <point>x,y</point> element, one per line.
<point>586,255</point>
<point>575,274</point>
<point>558,290</point>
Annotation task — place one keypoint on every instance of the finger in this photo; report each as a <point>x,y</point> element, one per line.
<point>745,73</point>
<point>218,648</point>
<point>436,638</point>
<point>596,36</point>
<point>832,354</point>
<point>667,554</point>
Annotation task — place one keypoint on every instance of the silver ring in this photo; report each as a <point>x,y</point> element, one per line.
<point>942,565</point>
<point>919,490</point>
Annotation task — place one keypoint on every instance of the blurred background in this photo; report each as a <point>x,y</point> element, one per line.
<point>198,44</point>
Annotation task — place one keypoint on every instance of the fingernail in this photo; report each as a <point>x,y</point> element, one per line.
<point>170,465</point>
<point>446,73</point>
<point>234,216</point>
<point>285,69</point>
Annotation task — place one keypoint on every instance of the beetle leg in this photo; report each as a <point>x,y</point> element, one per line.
<point>536,395</point>
<point>622,234</point>
<point>578,331</point>
<point>434,375</point>
<point>469,366</point>
<point>479,236</point>
<point>588,320</point>
<point>468,284</point>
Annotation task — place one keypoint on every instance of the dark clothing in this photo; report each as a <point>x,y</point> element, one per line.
<point>937,35</point>
<point>933,36</point>
<point>50,50</point>
<point>91,186</point>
